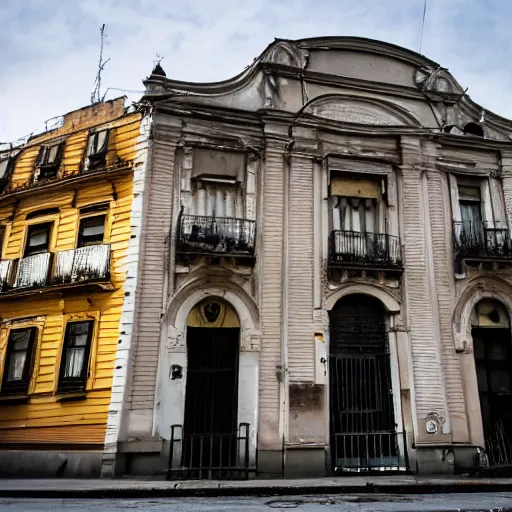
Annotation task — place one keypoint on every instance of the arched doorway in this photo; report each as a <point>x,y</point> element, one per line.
<point>211,397</point>
<point>362,420</point>
<point>492,346</point>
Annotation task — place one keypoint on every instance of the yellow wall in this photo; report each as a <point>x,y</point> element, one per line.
<point>44,419</point>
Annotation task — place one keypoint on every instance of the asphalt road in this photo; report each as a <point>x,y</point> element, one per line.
<point>363,503</point>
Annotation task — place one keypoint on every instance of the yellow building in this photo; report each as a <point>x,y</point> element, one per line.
<point>65,230</point>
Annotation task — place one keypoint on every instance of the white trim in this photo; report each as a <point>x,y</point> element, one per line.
<point>391,304</point>
<point>115,420</point>
<point>169,407</point>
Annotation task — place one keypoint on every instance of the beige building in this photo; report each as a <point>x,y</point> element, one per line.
<point>324,281</point>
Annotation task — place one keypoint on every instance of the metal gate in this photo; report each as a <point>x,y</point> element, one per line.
<point>493,361</point>
<point>211,445</point>
<point>363,427</point>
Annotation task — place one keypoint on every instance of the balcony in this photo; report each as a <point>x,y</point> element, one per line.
<point>221,236</point>
<point>365,251</point>
<point>91,263</point>
<point>481,242</point>
<point>47,271</point>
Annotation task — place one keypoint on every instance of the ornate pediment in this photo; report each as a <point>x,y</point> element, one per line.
<point>356,110</point>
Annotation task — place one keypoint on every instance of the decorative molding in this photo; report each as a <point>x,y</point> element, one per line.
<point>360,110</point>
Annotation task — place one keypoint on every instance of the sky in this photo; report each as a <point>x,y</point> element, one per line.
<point>49,49</point>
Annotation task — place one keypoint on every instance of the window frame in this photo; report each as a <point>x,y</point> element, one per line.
<point>97,157</point>
<point>48,170</point>
<point>32,227</point>
<point>75,384</point>
<point>80,240</point>
<point>22,387</point>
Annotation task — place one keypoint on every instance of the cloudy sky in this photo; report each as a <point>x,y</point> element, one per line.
<point>50,47</point>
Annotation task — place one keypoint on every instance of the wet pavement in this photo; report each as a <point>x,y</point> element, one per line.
<point>351,503</point>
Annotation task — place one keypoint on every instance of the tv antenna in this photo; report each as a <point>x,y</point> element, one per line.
<point>96,96</point>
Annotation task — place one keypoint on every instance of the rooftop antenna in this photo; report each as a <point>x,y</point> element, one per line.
<point>423,24</point>
<point>96,96</point>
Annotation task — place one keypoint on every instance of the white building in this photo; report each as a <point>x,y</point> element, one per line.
<point>324,284</point>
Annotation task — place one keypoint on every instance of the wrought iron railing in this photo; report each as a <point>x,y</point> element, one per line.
<point>228,235</point>
<point>7,269</point>
<point>83,264</point>
<point>354,248</point>
<point>209,456</point>
<point>367,452</point>
<point>33,271</point>
<point>481,240</point>
<point>91,263</point>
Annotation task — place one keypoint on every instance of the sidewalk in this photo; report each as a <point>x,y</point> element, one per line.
<point>130,488</point>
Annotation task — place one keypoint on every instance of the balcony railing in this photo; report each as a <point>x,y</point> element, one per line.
<point>82,264</point>
<point>220,235</point>
<point>86,264</point>
<point>481,241</point>
<point>33,271</point>
<point>7,268</point>
<point>369,250</point>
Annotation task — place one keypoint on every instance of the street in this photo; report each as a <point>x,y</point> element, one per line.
<point>367,503</point>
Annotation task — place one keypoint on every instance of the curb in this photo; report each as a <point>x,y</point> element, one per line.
<point>220,491</point>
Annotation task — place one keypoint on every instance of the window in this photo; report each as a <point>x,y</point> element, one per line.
<point>6,166</point>
<point>470,203</point>
<point>75,356</point>
<point>97,145</point>
<point>2,234</point>
<point>38,239</point>
<point>18,361</point>
<point>49,161</point>
<point>91,231</point>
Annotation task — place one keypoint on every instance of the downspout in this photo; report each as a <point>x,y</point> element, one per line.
<point>284,375</point>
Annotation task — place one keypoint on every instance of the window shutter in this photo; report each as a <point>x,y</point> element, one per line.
<point>42,156</point>
<point>498,204</point>
<point>454,194</point>
<point>486,204</point>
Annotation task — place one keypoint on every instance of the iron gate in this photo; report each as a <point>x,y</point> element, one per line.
<point>210,445</point>
<point>363,427</point>
<point>493,358</point>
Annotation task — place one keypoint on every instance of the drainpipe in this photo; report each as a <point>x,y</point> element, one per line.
<point>284,375</point>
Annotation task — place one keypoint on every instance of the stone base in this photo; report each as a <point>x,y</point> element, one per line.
<point>50,464</point>
<point>447,460</point>
<point>270,463</point>
<point>305,462</point>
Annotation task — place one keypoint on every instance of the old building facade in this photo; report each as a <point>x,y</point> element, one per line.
<point>68,238</point>
<point>323,282</point>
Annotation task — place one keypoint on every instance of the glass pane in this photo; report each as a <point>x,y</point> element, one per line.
<point>52,153</point>
<point>37,239</point>
<point>20,339</point>
<point>93,230</point>
<point>500,381</point>
<point>16,365</point>
<point>3,167</point>
<point>90,144</point>
<point>79,328</point>
<point>78,334</point>
<point>74,362</point>
<point>102,141</point>
<point>469,192</point>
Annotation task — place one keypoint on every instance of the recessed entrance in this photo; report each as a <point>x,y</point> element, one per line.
<point>210,439</point>
<point>493,360</point>
<point>362,427</point>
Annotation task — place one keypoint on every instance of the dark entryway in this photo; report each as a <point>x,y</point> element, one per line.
<point>493,360</point>
<point>209,447</point>
<point>363,427</point>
